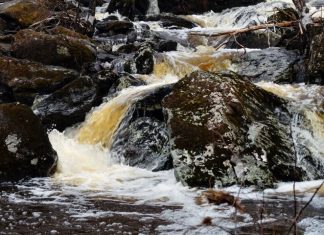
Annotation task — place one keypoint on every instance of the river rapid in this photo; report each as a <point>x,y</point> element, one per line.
<point>93,192</point>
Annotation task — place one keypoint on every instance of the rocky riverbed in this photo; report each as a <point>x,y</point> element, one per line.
<point>149,117</point>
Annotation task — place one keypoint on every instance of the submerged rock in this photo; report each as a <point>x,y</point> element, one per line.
<point>52,49</point>
<point>70,104</point>
<point>24,146</point>
<point>27,79</point>
<point>272,64</point>
<point>225,130</point>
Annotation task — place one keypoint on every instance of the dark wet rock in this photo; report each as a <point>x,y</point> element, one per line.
<point>125,82</point>
<point>169,21</point>
<point>144,61</point>
<point>27,79</point>
<point>145,144</point>
<point>129,8</point>
<point>143,140</point>
<point>315,65</point>
<point>23,12</point>
<point>225,130</point>
<point>70,104</point>
<point>5,45</point>
<point>6,94</point>
<point>24,145</point>
<point>114,27</point>
<point>52,49</point>
<point>88,3</point>
<point>165,45</point>
<point>128,48</point>
<point>198,6</point>
<point>256,39</point>
<point>141,63</point>
<point>272,64</point>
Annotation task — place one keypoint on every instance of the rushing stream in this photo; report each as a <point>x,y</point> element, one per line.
<point>92,192</point>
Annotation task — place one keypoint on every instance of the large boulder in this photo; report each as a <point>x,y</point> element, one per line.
<point>52,49</point>
<point>24,145</point>
<point>27,79</point>
<point>23,12</point>
<point>70,104</point>
<point>225,130</point>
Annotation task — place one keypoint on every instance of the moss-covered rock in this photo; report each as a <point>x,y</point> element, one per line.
<point>24,12</point>
<point>60,30</point>
<point>27,79</point>
<point>52,49</point>
<point>225,130</point>
<point>24,146</point>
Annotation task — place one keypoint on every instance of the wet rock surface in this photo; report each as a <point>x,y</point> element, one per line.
<point>70,104</point>
<point>27,79</point>
<point>273,64</point>
<point>144,144</point>
<point>24,145</point>
<point>240,133</point>
<point>316,59</point>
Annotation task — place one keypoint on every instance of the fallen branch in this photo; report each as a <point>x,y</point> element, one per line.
<point>305,206</point>
<point>248,29</point>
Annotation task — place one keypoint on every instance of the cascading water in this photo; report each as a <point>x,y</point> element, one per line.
<point>153,8</point>
<point>88,173</point>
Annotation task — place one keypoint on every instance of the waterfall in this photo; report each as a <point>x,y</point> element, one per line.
<point>101,124</point>
<point>153,8</point>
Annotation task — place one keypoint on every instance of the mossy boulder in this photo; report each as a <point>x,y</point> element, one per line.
<point>27,79</point>
<point>52,49</point>
<point>60,30</point>
<point>225,130</point>
<point>24,145</point>
<point>24,12</point>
